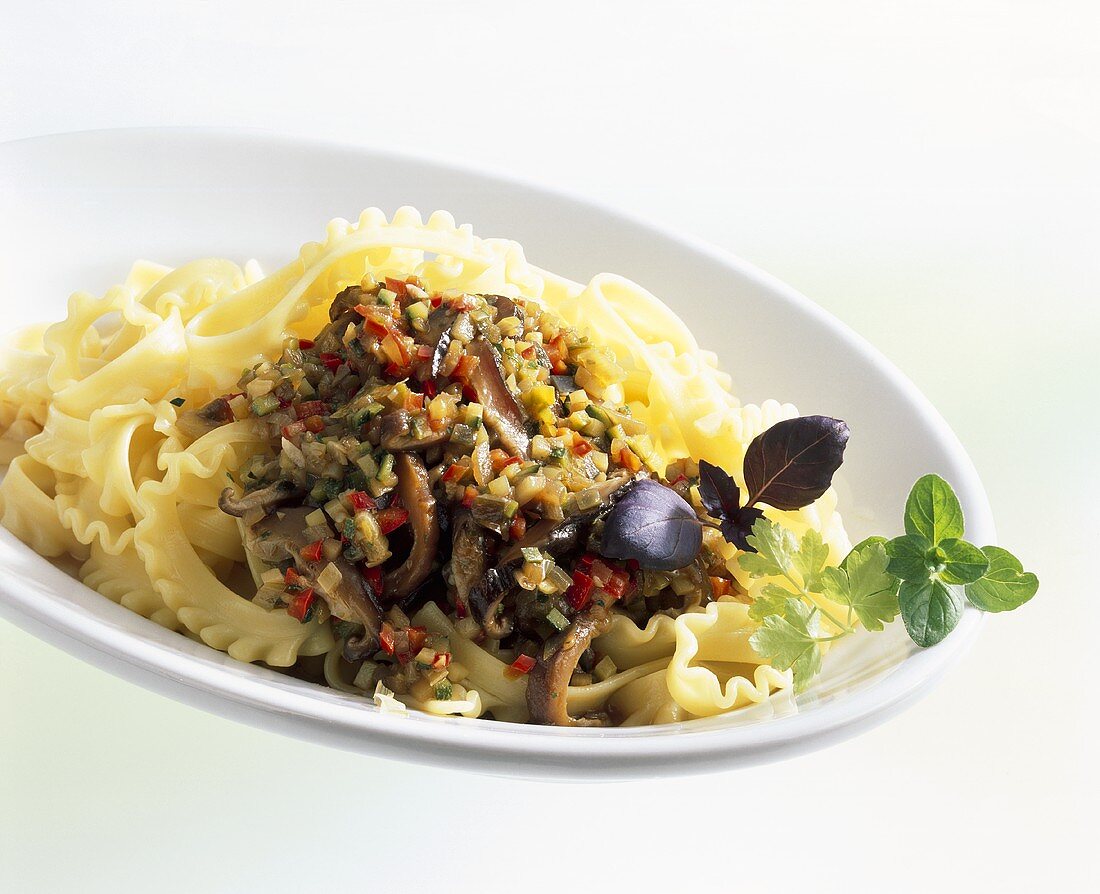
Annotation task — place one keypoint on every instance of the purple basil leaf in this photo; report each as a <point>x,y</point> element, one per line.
<point>792,463</point>
<point>718,491</point>
<point>737,527</point>
<point>653,525</point>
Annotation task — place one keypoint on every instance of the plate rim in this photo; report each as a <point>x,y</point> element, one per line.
<point>491,746</point>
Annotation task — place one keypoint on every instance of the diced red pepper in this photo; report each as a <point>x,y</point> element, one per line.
<point>374,579</point>
<point>500,459</point>
<point>313,552</point>
<point>413,402</point>
<point>305,343</point>
<point>394,371</point>
<point>293,430</point>
<point>387,637</point>
<point>469,394</point>
<point>397,287</point>
<point>618,586</point>
<point>441,660</point>
<point>518,527</point>
<point>309,408</point>
<point>465,367</point>
<point>391,519</point>
<point>332,361</point>
<point>581,447</point>
<point>524,664</point>
<point>557,351</point>
<point>430,389</point>
<point>314,424</point>
<point>628,460</point>
<point>376,327</point>
<point>436,300</point>
<point>528,353</point>
<point>417,637</point>
<point>461,611</point>
<point>293,581</point>
<point>580,593</point>
<point>720,586</point>
<point>454,472</point>
<point>360,501</point>
<point>469,497</point>
<point>601,572</point>
<point>301,606</point>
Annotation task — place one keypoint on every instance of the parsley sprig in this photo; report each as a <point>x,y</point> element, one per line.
<point>926,575</point>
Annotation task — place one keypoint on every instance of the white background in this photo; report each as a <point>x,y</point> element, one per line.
<point>928,171</point>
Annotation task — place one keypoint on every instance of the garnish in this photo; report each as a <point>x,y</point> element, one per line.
<point>927,575</point>
<point>653,525</point>
<point>791,464</point>
<point>788,466</point>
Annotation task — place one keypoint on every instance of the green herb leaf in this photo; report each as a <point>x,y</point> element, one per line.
<point>1004,586</point>
<point>865,585</point>
<point>930,609</point>
<point>861,545</point>
<point>772,600</point>
<point>810,557</point>
<point>933,510</point>
<point>909,558</point>
<point>775,548</point>
<point>963,563</point>
<point>786,641</point>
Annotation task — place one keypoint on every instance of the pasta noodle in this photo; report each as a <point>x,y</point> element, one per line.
<point>101,469</point>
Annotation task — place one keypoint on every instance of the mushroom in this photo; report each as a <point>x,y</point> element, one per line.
<point>548,681</point>
<point>505,307</point>
<point>263,500</point>
<point>415,491</point>
<point>396,433</point>
<point>502,413</point>
<point>470,552</point>
<point>196,423</point>
<point>437,335</point>
<point>340,313</point>
<point>282,535</point>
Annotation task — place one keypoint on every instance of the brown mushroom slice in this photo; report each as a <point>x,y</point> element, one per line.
<point>196,423</point>
<point>548,681</point>
<point>263,500</point>
<point>470,551</point>
<point>341,313</point>
<point>396,433</point>
<point>415,490</point>
<point>282,535</point>
<point>502,414</point>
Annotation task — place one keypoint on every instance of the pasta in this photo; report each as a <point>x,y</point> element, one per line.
<point>106,463</point>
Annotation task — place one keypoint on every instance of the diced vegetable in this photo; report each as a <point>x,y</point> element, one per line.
<point>524,664</point>
<point>301,606</point>
<point>557,620</point>
<point>579,595</point>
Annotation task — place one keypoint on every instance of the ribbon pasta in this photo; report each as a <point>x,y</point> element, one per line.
<point>99,469</point>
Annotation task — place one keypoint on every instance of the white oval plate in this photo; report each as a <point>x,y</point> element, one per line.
<point>79,208</point>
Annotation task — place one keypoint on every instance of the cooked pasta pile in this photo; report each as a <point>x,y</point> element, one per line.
<point>105,468</point>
